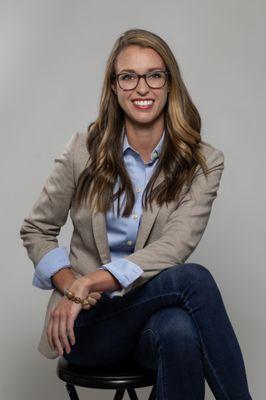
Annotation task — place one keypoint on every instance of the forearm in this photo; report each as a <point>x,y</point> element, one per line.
<point>63,279</point>
<point>96,281</point>
<point>102,280</point>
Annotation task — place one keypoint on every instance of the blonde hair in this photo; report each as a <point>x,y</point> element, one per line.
<point>180,152</point>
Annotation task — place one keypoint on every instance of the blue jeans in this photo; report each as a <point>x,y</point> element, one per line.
<point>177,324</point>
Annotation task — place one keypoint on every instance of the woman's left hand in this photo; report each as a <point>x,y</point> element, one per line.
<point>62,317</point>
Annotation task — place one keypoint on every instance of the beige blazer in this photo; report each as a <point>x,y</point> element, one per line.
<point>167,235</point>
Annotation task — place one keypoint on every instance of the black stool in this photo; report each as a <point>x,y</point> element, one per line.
<point>121,376</point>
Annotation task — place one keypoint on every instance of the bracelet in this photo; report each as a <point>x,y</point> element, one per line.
<point>76,299</point>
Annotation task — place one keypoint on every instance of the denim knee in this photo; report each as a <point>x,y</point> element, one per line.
<point>193,272</point>
<point>190,275</point>
<point>173,326</point>
<point>196,271</point>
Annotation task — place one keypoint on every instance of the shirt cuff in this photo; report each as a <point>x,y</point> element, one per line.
<point>49,264</point>
<point>125,271</point>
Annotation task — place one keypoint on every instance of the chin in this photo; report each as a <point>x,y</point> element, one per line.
<point>144,120</point>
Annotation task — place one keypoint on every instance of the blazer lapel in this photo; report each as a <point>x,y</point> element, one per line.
<point>100,236</point>
<point>100,231</point>
<point>148,219</point>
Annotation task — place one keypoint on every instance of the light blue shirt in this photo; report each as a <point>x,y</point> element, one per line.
<point>121,231</point>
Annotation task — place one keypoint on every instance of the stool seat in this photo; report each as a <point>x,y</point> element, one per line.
<point>124,375</point>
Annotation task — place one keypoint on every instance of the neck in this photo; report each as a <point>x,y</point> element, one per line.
<point>144,138</point>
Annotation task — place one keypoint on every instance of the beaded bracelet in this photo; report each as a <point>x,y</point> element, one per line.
<point>76,299</point>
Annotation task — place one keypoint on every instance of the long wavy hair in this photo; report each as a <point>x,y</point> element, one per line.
<point>180,153</point>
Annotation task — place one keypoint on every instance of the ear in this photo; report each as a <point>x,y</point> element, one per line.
<point>113,86</point>
<point>168,85</point>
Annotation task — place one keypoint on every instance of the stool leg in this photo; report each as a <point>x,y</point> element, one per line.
<point>152,395</point>
<point>72,391</point>
<point>119,394</point>
<point>132,394</point>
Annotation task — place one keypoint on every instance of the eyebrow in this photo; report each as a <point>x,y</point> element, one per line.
<point>150,69</point>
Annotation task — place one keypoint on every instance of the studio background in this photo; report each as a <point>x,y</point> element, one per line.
<point>53,55</point>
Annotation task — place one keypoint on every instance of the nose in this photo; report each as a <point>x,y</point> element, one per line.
<point>142,86</point>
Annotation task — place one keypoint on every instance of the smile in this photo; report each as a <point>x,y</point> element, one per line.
<point>143,104</point>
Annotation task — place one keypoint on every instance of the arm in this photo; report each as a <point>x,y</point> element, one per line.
<point>125,272</point>
<point>97,281</point>
<point>63,279</point>
<point>40,229</point>
<point>49,265</point>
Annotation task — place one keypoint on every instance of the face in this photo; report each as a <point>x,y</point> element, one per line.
<point>140,60</point>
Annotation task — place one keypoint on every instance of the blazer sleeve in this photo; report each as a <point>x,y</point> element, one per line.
<point>186,224</point>
<point>49,213</point>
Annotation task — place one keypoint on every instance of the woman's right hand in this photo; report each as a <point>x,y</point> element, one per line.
<point>60,330</point>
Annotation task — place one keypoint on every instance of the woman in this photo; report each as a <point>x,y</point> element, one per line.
<point>139,185</point>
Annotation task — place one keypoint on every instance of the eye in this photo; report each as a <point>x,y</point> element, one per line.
<point>156,75</point>
<point>126,77</point>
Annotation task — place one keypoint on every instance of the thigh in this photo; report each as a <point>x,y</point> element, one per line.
<point>109,331</point>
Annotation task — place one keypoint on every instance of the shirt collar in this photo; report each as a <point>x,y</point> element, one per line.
<point>155,152</point>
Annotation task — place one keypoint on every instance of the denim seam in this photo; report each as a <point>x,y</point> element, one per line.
<point>162,372</point>
<point>150,330</point>
<point>203,344</point>
<point>161,357</point>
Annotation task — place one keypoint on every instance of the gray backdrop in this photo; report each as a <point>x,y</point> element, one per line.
<point>53,55</point>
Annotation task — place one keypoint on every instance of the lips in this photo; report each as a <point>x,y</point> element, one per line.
<point>143,104</point>
<point>141,99</point>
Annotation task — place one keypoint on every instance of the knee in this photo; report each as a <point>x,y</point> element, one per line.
<point>176,328</point>
<point>197,273</point>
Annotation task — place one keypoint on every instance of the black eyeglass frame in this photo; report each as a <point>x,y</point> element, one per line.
<point>116,76</point>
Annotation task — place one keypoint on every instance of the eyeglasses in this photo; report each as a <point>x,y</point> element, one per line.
<point>130,80</point>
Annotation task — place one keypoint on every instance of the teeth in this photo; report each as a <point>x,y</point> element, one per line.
<point>143,102</point>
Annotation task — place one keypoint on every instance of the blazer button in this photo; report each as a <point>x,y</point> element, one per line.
<point>135,216</point>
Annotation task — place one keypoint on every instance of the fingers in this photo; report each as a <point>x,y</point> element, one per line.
<point>55,333</point>
<point>63,333</point>
<point>92,301</point>
<point>94,295</point>
<point>60,330</point>
<point>70,330</point>
<point>60,327</point>
<point>87,307</point>
<point>49,333</point>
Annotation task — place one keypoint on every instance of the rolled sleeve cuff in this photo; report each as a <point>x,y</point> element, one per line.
<point>49,264</point>
<point>125,271</point>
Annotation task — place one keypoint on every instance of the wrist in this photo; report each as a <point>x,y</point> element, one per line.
<point>78,300</point>
<point>63,279</point>
<point>87,282</point>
